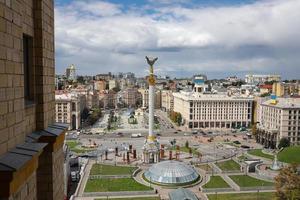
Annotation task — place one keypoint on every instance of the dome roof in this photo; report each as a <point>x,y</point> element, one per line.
<point>171,172</point>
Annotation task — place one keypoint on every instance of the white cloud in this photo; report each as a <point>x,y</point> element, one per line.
<point>98,8</point>
<point>255,37</point>
<point>168,1</point>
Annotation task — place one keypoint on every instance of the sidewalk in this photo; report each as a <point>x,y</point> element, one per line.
<point>85,177</point>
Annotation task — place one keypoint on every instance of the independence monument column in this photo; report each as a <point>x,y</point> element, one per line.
<point>151,146</point>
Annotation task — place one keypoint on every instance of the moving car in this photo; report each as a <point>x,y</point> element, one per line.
<point>119,134</point>
<point>136,135</point>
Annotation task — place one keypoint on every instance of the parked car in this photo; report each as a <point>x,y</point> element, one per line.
<point>236,142</point>
<point>245,146</point>
<point>75,176</point>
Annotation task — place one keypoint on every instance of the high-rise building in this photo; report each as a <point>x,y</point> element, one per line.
<point>31,143</point>
<point>71,73</point>
<point>278,118</point>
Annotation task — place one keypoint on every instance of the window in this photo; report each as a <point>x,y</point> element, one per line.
<point>73,106</point>
<point>28,68</point>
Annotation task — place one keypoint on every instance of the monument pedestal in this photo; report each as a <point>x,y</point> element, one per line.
<point>151,151</point>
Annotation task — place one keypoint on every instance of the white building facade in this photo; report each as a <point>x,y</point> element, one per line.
<point>257,78</point>
<point>167,100</point>
<point>278,119</point>
<point>213,111</point>
<point>68,108</point>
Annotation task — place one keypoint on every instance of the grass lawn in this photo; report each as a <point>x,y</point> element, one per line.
<point>232,144</point>
<point>116,184</point>
<point>242,157</point>
<point>258,152</point>
<point>247,181</point>
<point>216,182</point>
<point>243,196</point>
<point>99,169</point>
<point>229,165</point>
<point>73,145</point>
<point>290,155</point>
<point>205,167</point>
<point>187,150</point>
<point>136,198</point>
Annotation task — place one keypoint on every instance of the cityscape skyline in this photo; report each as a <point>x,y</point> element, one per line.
<point>236,37</point>
<point>149,100</point>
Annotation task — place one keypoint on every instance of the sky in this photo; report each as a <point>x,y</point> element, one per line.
<point>219,38</point>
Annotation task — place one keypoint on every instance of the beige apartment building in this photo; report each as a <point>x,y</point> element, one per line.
<point>281,89</point>
<point>277,119</point>
<point>145,98</point>
<point>100,85</point>
<point>68,109</point>
<point>31,143</point>
<point>131,97</point>
<point>213,111</point>
<point>108,99</point>
<point>167,100</point>
<point>112,84</point>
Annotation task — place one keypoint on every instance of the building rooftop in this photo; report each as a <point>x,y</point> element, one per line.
<point>182,194</point>
<point>283,103</point>
<point>202,96</point>
<point>65,96</point>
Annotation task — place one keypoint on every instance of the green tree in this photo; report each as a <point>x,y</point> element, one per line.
<point>176,117</point>
<point>85,113</point>
<point>287,183</point>
<point>187,144</point>
<point>116,89</point>
<point>80,79</point>
<point>265,95</point>
<point>284,142</point>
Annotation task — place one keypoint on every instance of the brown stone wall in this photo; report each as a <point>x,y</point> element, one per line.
<point>50,173</point>
<point>44,21</point>
<point>36,19</point>
<point>58,174</point>
<point>27,190</point>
